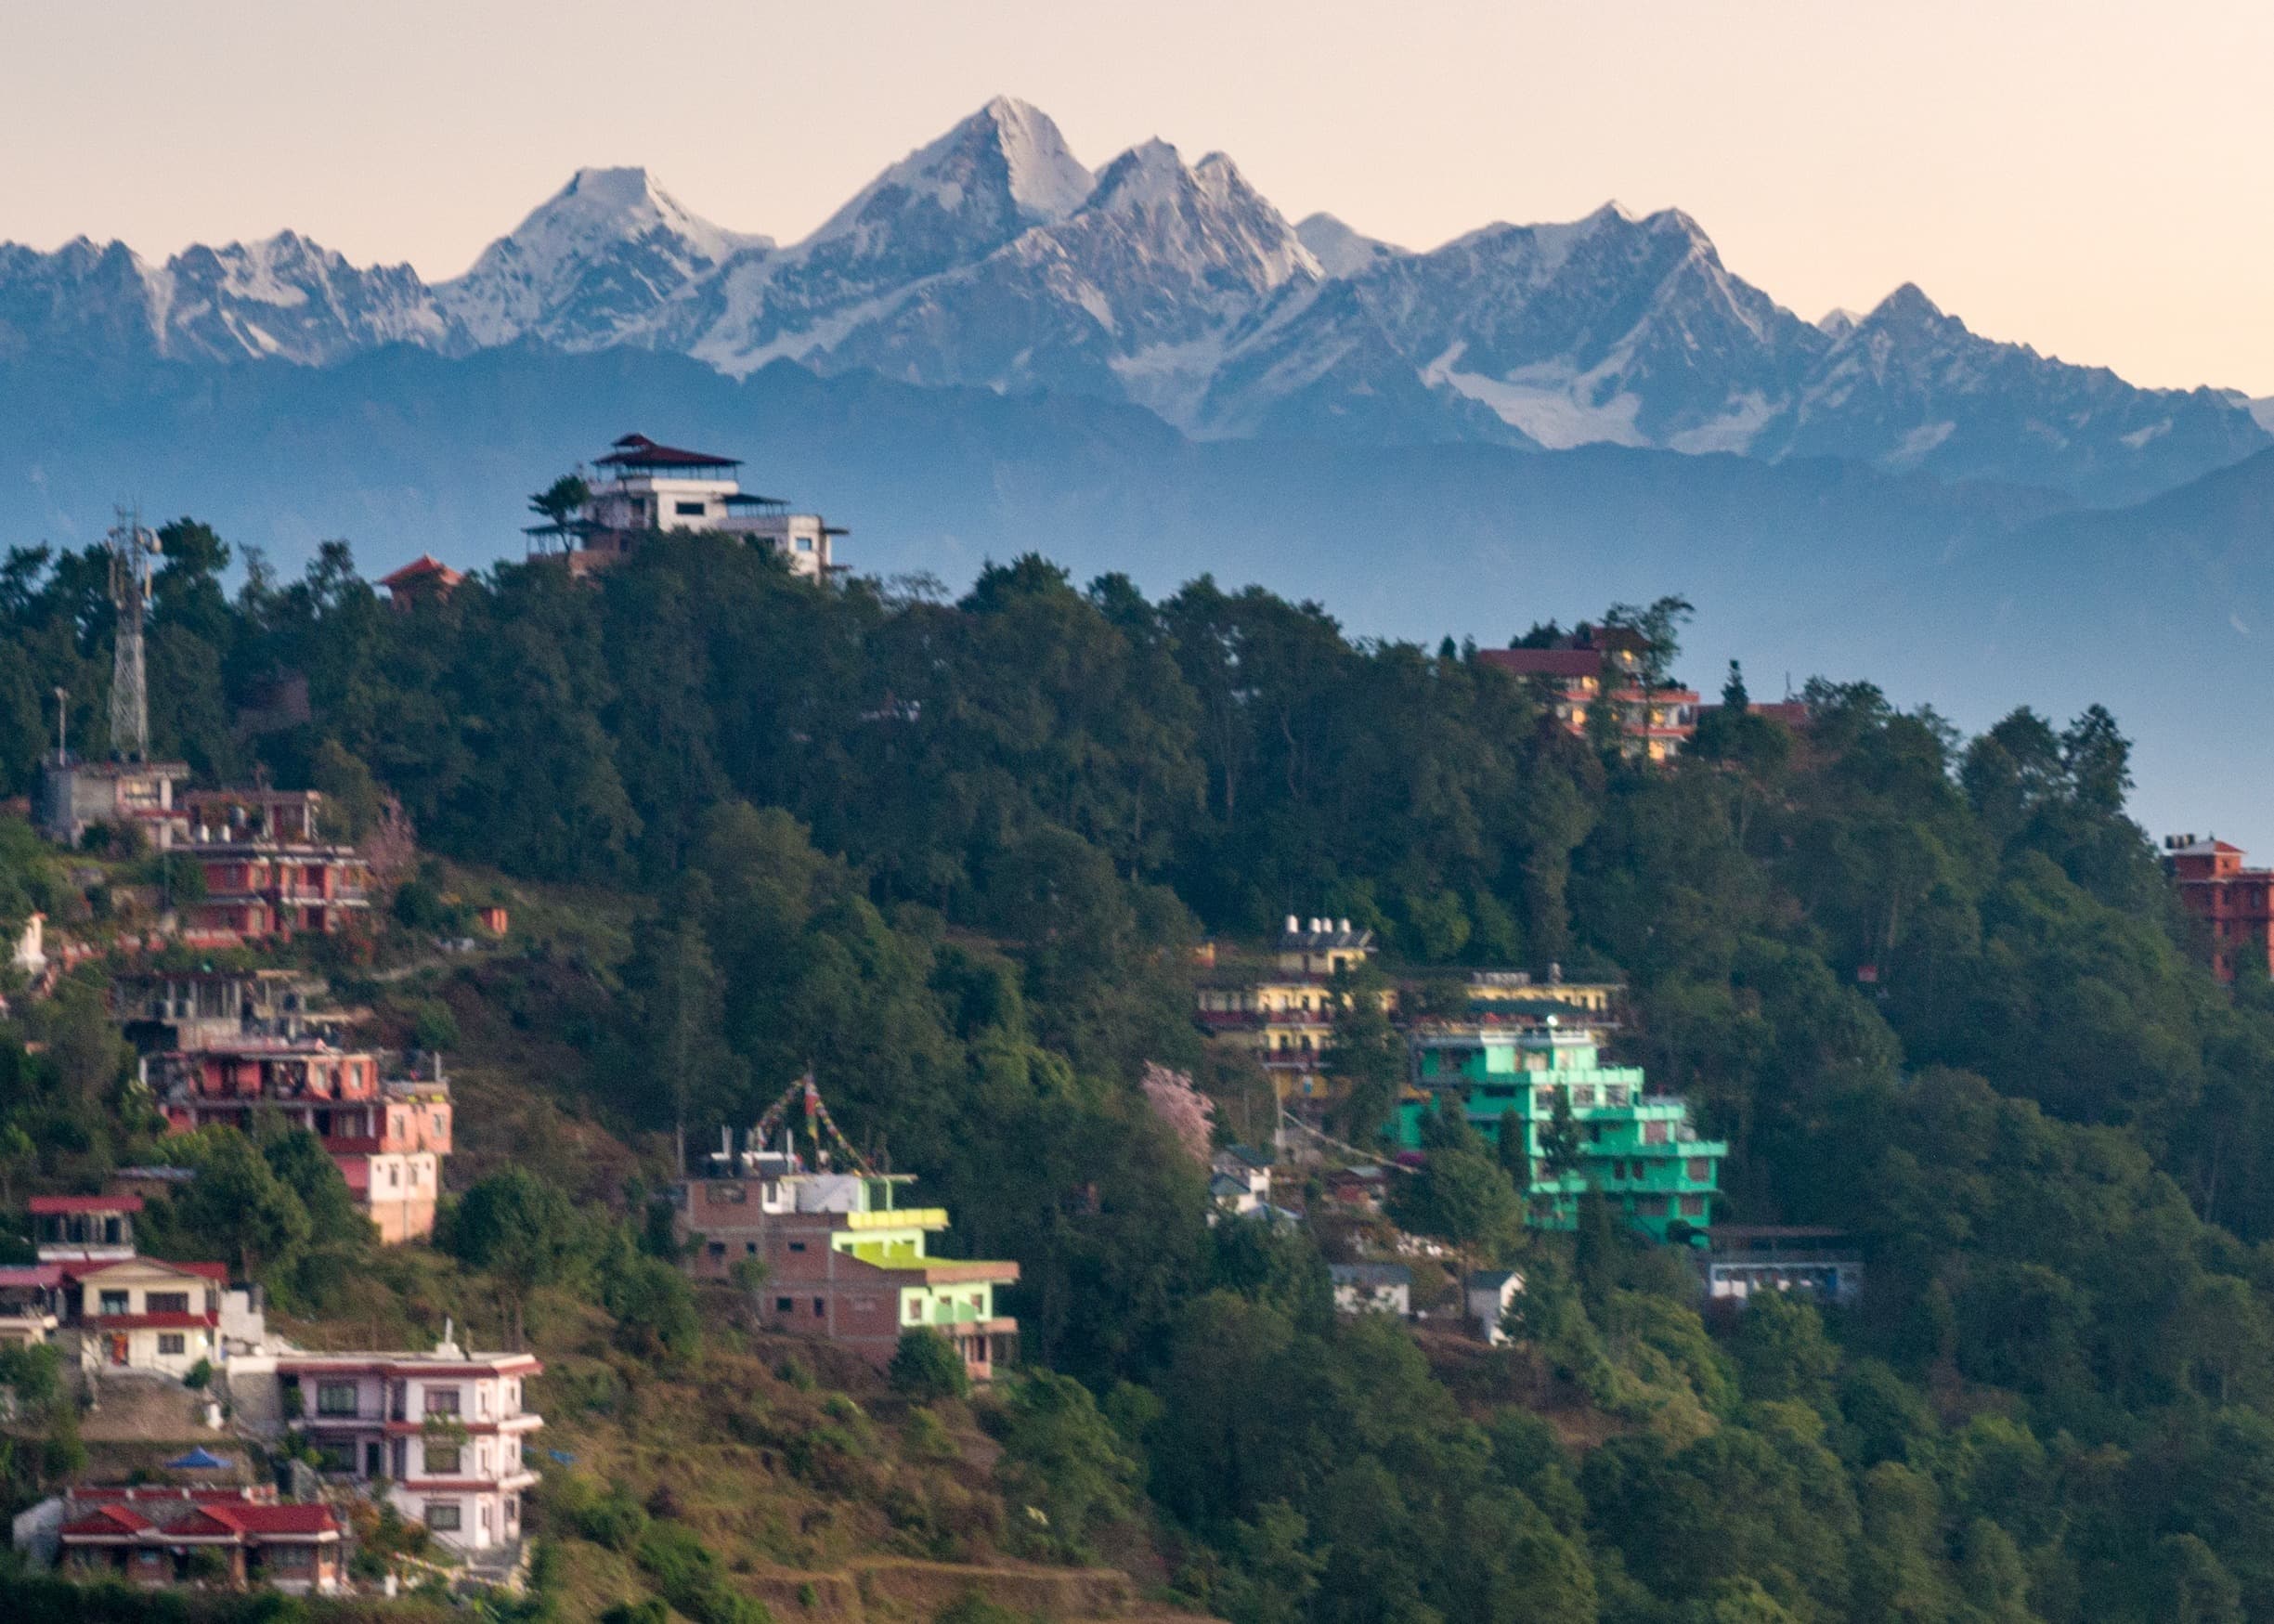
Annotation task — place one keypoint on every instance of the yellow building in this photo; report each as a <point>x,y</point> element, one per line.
<point>1286,1017</point>
<point>1517,992</point>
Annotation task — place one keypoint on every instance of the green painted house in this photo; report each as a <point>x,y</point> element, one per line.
<point>1637,1148</point>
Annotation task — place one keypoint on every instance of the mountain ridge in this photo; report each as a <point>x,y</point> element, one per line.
<point>993,256</point>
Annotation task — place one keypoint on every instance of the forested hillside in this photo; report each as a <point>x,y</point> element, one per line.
<point>1933,990</point>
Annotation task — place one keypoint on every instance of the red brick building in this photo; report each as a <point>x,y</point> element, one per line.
<point>842,1261</point>
<point>2235,904</point>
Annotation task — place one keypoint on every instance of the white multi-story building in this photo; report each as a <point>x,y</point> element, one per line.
<point>640,487</point>
<point>445,1429</point>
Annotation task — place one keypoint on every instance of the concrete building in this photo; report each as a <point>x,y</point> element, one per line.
<point>155,1536</point>
<point>162,1009</point>
<point>2235,904</point>
<point>388,1136</point>
<point>445,1431</point>
<point>1636,1147</point>
<point>83,1228</point>
<point>1285,1015</point>
<point>641,487</point>
<point>75,796</point>
<point>269,869</point>
<point>843,1262</point>
<point>1605,665</point>
<point>1810,1261</point>
<point>144,1314</point>
<point>1517,993</point>
<point>1373,1288</point>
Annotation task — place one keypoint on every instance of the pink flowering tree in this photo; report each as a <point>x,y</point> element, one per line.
<point>1188,1113</point>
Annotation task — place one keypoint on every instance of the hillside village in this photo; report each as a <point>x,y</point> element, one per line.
<point>389,1255</point>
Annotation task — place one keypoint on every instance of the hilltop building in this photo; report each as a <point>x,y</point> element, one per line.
<point>1286,1015</point>
<point>2235,904</point>
<point>843,1262</point>
<point>387,1135</point>
<point>269,870</point>
<point>641,487</point>
<point>443,1430</point>
<point>1636,1147</point>
<point>426,579</point>
<point>1605,664</point>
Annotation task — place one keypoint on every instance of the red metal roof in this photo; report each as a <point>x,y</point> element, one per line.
<point>46,1205</point>
<point>107,1522</point>
<point>273,1520</point>
<point>639,451</point>
<point>87,1271</point>
<point>43,1274</point>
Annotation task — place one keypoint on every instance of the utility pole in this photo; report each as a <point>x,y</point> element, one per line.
<point>63,723</point>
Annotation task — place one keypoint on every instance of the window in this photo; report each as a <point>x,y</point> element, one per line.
<point>783,1306</point>
<point>805,543</point>
<point>728,1195</point>
<point>442,1401</point>
<point>716,1249</point>
<point>112,1303</point>
<point>445,1516</point>
<point>797,1246</point>
<point>749,1248</point>
<point>442,1459</point>
<point>335,1455</point>
<point>688,510</point>
<point>1698,1169</point>
<point>166,1303</point>
<point>172,1341</point>
<point>820,1307</point>
<point>1693,1206</point>
<point>284,1558</point>
<point>335,1398</point>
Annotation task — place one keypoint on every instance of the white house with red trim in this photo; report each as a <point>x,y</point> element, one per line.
<point>146,1313</point>
<point>445,1429</point>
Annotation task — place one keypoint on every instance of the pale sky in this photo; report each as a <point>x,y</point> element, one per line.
<point>2093,177</point>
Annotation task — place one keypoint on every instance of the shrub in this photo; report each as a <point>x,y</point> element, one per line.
<point>926,1367</point>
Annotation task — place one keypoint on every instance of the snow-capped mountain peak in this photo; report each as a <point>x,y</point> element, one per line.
<point>589,264</point>
<point>1340,251</point>
<point>1003,168</point>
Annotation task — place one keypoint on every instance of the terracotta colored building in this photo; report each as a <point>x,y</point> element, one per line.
<point>387,1135</point>
<point>1603,665</point>
<point>2235,904</point>
<point>269,869</point>
<point>155,1536</point>
<point>426,579</point>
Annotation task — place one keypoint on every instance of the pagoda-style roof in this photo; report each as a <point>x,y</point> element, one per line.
<point>422,571</point>
<point>633,452</point>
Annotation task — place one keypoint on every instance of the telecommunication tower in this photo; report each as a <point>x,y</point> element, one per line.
<point>132,550</point>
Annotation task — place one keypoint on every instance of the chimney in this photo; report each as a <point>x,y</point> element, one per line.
<point>1343,925</point>
<point>1293,926</point>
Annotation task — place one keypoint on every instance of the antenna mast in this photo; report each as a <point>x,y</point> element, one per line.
<point>132,549</point>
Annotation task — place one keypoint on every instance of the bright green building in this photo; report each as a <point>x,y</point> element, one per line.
<point>1638,1149</point>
